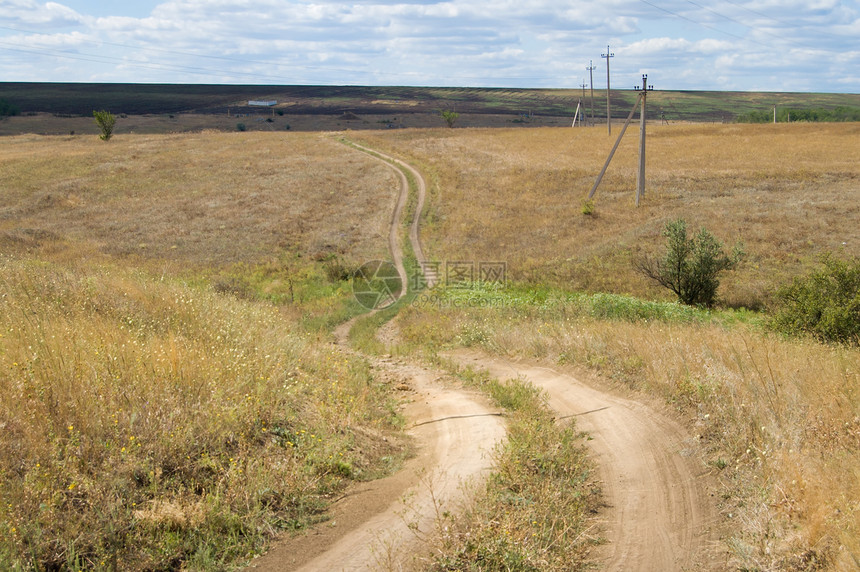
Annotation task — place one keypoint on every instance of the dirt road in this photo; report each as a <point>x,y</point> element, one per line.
<point>382,525</point>
<point>659,514</point>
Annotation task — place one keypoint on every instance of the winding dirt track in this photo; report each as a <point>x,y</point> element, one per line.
<point>382,525</point>
<point>659,513</point>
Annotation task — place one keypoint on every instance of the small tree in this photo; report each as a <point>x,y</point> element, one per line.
<point>450,117</point>
<point>691,265</point>
<point>106,122</point>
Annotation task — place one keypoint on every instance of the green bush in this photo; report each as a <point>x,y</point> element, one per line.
<point>825,303</point>
<point>240,127</point>
<point>690,265</point>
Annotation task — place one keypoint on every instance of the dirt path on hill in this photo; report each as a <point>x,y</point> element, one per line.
<point>384,524</point>
<point>660,514</point>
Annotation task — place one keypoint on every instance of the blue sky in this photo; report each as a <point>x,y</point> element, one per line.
<point>760,45</point>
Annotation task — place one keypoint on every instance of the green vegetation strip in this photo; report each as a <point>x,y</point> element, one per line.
<point>538,301</point>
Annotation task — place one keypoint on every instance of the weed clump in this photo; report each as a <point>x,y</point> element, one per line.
<point>532,513</point>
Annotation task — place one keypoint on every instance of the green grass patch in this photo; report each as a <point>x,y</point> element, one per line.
<point>554,303</point>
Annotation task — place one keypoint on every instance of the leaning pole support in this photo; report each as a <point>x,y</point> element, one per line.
<point>614,147</point>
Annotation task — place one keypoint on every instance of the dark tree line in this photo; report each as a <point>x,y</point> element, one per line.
<point>819,114</point>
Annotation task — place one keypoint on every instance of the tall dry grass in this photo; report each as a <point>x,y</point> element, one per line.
<point>789,192</point>
<point>535,510</point>
<point>147,424</point>
<point>780,418</point>
<point>149,421</point>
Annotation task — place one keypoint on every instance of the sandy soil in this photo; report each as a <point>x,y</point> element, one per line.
<point>382,524</point>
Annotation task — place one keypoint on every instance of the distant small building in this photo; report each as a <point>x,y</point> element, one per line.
<point>261,103</point>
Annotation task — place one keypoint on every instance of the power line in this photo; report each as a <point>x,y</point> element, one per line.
<point>729,18</point>
<point>701,24</point>
<point>757,13</point>
<point>758,29</point>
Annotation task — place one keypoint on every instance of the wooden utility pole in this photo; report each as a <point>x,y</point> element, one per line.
<point>583,85</point>
<point>643,95</point>
<point>591,69</point>
<point>608,55</point>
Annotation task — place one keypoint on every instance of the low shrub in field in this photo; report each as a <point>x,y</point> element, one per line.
<point>160,426</point>
<point>690,267</point>
<point>825,303</point>
<point>106,122</point>
<point>8,109</point>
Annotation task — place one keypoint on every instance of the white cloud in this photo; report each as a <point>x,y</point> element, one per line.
<point>539,43</point>
<point>31,13</point>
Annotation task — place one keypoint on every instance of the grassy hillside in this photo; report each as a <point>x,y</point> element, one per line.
<point>164,302</point>
<point>788,192</point>
<point>169,399</point>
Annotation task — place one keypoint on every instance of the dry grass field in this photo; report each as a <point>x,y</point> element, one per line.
<point>788,192</point>
<point>209,199</point>
<point>779,419</point>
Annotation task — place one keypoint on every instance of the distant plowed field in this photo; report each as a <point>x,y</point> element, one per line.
<point>178,108</point>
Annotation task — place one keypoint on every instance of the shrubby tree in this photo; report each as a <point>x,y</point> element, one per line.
<point>825,303</point>
<point>690,267</point>
<point>450,117</point>
<point>106,122</point>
